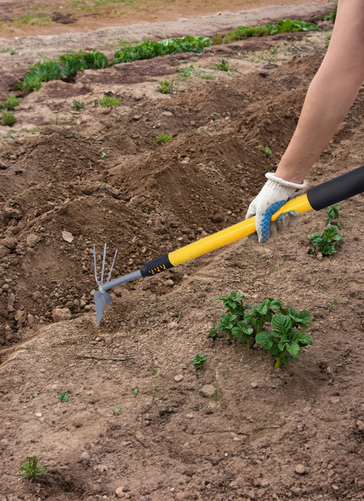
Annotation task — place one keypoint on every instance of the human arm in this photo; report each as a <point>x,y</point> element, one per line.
<point>329,97</point>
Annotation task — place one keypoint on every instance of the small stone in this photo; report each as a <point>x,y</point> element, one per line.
<point>85,456</point>
<point>169,283</point>
<point>167,113</point>
<point>30,319</point>
<point>119,491</point>
<point>217,218</point>
<point>9,243</point>
<point>4,251</point>
<point>59,314</point>
<point>254,385</point>
<point>360,425</point>
<point>184,366</point>
<point>38,414</point>
<point>208,391</point>
<point>33,239</point>
<point>178,378</point>
<point>189,416</point>
<point>10,213</point>
<point>300,469</point>
<point>67,236</point>
<point>334,487</point>
<point>20,316</point>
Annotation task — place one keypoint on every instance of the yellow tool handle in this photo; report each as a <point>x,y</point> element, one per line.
<point>233,233</point>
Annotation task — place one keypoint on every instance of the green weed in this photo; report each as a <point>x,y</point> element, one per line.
<point>8,118</point>
<point>266,150</point>
<point>77,105</point>
<point>63,397</point>
<point>223,65</point>
<point>198,361</point>
<point>31,468</point>
<point>12,102</point>
<point>327,241</point>
<point>107,101</point>
<point>164,138</point>
<point>165,87</point>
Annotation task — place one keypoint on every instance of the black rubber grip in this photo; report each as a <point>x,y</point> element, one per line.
<point>336,190</point>
<point>156,266</point>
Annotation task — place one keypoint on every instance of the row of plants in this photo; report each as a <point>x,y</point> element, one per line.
<point>69,64</point>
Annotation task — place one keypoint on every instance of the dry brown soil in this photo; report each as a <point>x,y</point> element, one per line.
<point>147,427</point>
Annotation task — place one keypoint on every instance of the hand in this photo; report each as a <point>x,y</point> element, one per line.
<point>275,193</point>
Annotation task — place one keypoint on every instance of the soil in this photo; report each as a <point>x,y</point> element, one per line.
<point>141,422</point>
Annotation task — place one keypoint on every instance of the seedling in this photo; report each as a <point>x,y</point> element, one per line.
<point>164,138</point>
<point>8,118</point>
<point>326,242</point>
<point>11,103</point>
<point>223,65</point>
<point>333,215</point>
<point>31,468</point>
<point>284,342</point>
<point>165,87</point>
<point>63,397</point>
<point>198,361</point>
<point>107,101</point>
<point>77,105</point>
<point>104,155</point>
<point>136,390</point>
<point>266,150</point>
<point>215,116</point>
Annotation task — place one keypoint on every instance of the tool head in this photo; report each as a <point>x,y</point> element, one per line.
<point>102,299</point>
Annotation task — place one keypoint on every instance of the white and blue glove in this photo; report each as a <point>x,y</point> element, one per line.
<point>275,193</point>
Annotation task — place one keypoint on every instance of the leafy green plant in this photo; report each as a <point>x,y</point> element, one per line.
<point>77,105</point>
<point>165,87</point>
<point>8,118</point>
<point>63,397</point>
<point>215,116</point>
<point>198,361</point>
<point>223,65</point>
<point>11,103</point>
<point>326,241</point>
<point>107,101</point>
<point>247,323</point>
<point>330,17</point>
<point>283,341</point>
<point>31,468</point>
<point>164,138</point>
<point>333,215</point>
<point>149,48</point>
<point>104,155</point>
<point>283,26</point>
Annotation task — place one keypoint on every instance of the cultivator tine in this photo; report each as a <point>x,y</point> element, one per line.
<point>102,298</point>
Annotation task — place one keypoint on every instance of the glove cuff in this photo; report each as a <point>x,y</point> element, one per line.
<point>282,182</point>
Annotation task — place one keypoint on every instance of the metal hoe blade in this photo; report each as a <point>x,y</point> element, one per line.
<point>102,298</point>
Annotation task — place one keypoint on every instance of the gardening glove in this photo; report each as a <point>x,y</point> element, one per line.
<point>275,193</point>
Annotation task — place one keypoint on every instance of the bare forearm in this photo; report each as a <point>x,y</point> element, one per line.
<point>330,95</point>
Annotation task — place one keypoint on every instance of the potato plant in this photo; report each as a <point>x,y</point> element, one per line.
<point>198,361</point>
<point>246,322</point>
<point>327,241</point>
<point>31,468</point>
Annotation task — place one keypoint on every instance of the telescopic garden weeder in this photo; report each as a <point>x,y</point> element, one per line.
<point>316,198</point>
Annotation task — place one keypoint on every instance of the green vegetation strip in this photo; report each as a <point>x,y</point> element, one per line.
<point>283,26</point>
<point>68,65</point>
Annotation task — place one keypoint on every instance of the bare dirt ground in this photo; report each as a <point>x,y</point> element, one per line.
<point>152,427</point>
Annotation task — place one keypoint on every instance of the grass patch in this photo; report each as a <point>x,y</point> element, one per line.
<point>11,103</point>
<point>107,101</point>
<point>8,118</point>
<point>164,138</point>
<point>165,87</point>
<point>77,105</point>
